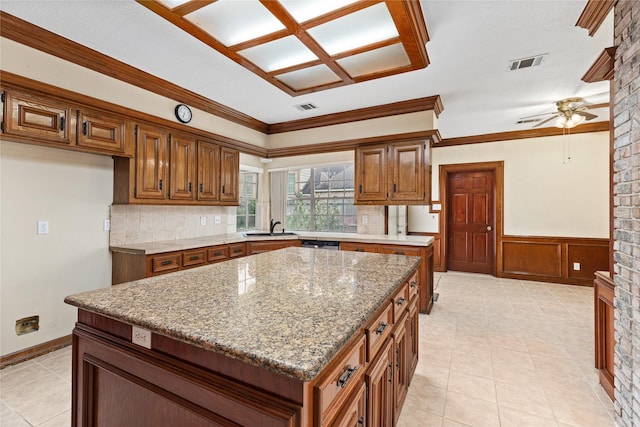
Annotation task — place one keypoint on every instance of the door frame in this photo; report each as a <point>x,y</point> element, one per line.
<point>497,168</point>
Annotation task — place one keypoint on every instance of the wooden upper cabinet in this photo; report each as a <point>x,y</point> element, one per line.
<point>392,174</point>
<point>182,168</point>
<point>407,171</point>
<point>371,173</point>
<point>151,163</point>
<point>229,171</point>
<point>39,119</point>
<point>208,171</point>
<point>104,132</point>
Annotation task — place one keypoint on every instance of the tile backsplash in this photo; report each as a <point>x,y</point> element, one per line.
<point>137,224</point>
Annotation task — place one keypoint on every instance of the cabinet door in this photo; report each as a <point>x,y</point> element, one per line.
<point>400,365</point>
<point>102,132</point>
<point>371,174</point>
<point>414,339</point>
<point>151,163</point>
<point>354,412</point>
<point>39,119</point>
<point>229,171</point>
<point>407,176</point>
<point>379,379</point>
<point>208,171</point>
<point>183,168</point>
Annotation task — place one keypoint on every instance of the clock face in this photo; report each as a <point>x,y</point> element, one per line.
<point>183,113</point>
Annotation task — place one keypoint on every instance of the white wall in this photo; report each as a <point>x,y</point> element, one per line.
<point>553,186</point>
<point>73,192</point>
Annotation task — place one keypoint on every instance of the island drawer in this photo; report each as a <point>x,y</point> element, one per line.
<point>358,247</point>
<point>165,262</point>
<point>218,253</point>
<point>378,331</point>
<point>237,249</point>
<point>414,286</point>
<point>400,250</point>
<point>333,389</point>
<point>193,258</point>
<point>400,302</point>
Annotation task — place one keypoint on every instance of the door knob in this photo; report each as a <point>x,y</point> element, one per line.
<point>489,228</point>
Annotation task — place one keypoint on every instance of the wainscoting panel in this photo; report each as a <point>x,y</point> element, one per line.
<point>532,258</point>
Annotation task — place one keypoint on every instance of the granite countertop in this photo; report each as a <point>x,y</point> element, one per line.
<point>150,248</point>
<point>289,310</point>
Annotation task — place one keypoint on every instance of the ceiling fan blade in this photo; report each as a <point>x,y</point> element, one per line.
<point>586,115</point>
<point>539,115</point>
<point>544,121</point>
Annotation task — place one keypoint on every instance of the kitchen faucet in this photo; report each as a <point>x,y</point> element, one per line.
<point>273,225</point>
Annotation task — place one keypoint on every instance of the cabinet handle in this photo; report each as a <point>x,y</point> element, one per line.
<point>236,250</point>
<point>84,128</point>
<point>401,301</point>
<point>391,372</point>
<point>193,257</point>
<point>413,284</point>
<point>166,262</point>
<point>399,253</point>
<point>190,189</point>
<point>359,250</point>
<point>361,421</point>
<point>381,328</point>
<point>201,187</point>
<point>217,254</point>
<point>344,378</point>
<point>398,358</point>
<point>160,185</point>
<point>360,188</point>
<point>62,123</point>
<point>394,188</point>
<point>223,189</point>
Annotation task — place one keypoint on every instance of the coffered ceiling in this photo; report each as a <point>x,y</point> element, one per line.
<point>464,53</point>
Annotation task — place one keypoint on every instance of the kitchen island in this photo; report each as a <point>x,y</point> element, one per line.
<point>292,337</point>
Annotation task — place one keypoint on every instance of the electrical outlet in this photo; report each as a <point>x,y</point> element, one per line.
<point>576,266</point>
<point>203,220</point>
<point>106,225</point>
<point>43,227</point>
<point>141,337</point>
<point>365,219</point>
<point>216,219</point>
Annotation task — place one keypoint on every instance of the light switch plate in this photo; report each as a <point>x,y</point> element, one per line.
<point>203,220</point>
<point>365,219</point>
<point>576,266</point>
<point>106,225</point>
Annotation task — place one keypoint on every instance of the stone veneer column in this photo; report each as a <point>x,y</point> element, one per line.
<point>626,190</point>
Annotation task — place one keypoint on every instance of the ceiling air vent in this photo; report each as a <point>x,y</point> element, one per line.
<point>306,107</point>
<point>526,62</point>
<point>527,121</point>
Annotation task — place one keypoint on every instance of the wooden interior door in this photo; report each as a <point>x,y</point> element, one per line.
<point>471,222</point>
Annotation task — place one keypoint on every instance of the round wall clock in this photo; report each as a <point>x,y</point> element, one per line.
<point>183,113</point>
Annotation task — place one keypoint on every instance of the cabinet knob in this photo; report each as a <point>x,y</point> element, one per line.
<point>401,301</point>
<point>489,228</point>
<point>381,328</point>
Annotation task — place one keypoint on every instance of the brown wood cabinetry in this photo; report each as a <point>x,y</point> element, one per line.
<point>359,247</point>
<point>256,247</point>
<point>394,173</point>
<point>400,364</point>
<point>176,169</point>
<point>604,330</point>
<point>379,380</point>
<point>49,121</point>
<point>237,250</point>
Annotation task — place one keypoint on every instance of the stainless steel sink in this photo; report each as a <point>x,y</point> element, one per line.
<point>287,233</point>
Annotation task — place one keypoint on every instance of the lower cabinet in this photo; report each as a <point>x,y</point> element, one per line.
<point>354,413</point>
<point>379,380</point>
<point>257,247</point>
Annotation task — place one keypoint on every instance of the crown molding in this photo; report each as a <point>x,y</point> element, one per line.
<point>521,134</point>
<point>594,14</point>
<point>403,107</point>
<point>603,68</point>
<point>25,33</point>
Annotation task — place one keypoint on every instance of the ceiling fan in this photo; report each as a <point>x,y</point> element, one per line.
<point>571,112</point>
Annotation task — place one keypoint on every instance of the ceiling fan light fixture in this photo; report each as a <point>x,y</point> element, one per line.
<point>572,121</point>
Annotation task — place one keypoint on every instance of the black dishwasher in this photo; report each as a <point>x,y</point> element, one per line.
<point>321,244</point>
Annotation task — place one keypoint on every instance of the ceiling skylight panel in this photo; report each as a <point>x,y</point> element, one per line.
<point>374,61</point>
<point>355,30</point>
<point>304,10</point>
<point>309,77</point>
<point>232,22</point>
<point>279,54</point>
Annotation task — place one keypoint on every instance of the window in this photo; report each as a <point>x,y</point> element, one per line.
<point>321,199</point>
<point>246,218</point>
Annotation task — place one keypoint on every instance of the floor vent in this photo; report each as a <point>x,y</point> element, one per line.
<point>518,64</point>
<point>306,107</point>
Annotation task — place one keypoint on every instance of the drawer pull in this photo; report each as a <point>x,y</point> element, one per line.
<point>359,250</point>
<point>194,257</point>
<point>413,284</point>
<point>361,421</point>
<point>401,301</point>
<point>166,263</point>
<point>236,250</point>
<point>219,253</point>
<point>381,328</point>
<point>399,252</point>
<point>344,378</point>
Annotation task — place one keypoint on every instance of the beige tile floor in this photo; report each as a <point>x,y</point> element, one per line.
<point>493,352</point>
